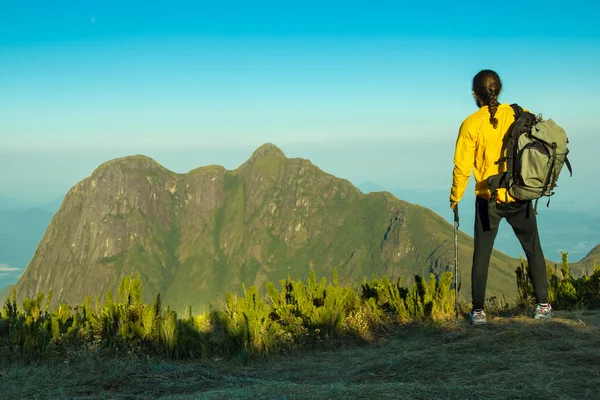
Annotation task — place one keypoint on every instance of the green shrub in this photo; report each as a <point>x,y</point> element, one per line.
<point>565,292</point>
<point>297,314</point>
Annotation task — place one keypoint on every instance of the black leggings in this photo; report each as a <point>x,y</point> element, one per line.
<point>521,218</point>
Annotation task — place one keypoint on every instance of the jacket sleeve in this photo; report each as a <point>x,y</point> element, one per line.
<point>464,159</point>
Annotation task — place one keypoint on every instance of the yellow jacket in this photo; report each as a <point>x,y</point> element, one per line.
<point>478,147</point>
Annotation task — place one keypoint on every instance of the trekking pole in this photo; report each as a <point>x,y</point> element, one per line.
<point>456,224</point>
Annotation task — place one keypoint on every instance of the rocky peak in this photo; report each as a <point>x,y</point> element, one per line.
<point>595,253</point>
<point>266,150</point>
<point>135,163</point>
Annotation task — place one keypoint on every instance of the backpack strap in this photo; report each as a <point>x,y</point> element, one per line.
<point>507,157</point>
<point>568,164</point>
<point>517,109</point>
<point>551,170</point>
<point>513,134</point>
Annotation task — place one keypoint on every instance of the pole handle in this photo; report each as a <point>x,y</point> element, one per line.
<point>456,221</point>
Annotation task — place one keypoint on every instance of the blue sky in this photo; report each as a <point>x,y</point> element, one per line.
<point>366,90</point>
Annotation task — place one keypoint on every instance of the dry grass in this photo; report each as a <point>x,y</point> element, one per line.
<point>511,358</point>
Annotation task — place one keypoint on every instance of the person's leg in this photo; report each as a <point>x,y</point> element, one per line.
<point>524,223</point>
<point>485,234</point>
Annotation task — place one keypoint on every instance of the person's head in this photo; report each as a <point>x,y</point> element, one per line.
<point>486,89</point>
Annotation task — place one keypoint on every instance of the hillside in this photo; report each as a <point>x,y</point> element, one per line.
<point>560,230</point>
<point>593,256</point>
<point>195,236</point>
<point>9,204</point>
<point>586,265</point>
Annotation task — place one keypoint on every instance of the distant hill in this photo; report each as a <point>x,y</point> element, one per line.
<point>53,205</point>
<point>560,230</point>
<point>195,236</point>
<point>10,204</point>
<point>587,264</point>
<point>21,231</point>
<point>593,255</point>
<point>22,226</point>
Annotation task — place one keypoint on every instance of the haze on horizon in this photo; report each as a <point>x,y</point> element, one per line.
<point>371,93</point>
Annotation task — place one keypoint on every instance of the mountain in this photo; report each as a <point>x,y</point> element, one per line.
<point>561,230</point>
<point>194,236</point>
<point>586,265</point>
<point>593,255</point>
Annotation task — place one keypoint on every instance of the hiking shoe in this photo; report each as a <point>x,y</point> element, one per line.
<point>477,317</point>
<point>542,311</point>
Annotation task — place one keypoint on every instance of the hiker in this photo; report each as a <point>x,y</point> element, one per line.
<point>479,147</point>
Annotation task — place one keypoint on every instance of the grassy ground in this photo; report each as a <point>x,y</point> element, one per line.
<point>510,358</point>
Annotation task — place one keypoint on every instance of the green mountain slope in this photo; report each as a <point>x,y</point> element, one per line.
<point>194,236</point>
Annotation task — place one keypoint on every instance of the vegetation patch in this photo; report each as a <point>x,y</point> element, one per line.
<point>313,339</point>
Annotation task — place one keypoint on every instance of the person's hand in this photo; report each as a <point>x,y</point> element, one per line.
<point>453,204</point>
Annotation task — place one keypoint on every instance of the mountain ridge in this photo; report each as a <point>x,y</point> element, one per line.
<point>196,235</point>
<point>586,265</point>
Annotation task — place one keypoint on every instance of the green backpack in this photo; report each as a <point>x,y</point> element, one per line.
<point>535,151</point>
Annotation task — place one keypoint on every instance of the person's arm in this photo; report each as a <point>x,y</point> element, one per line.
<point>464,158</point>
